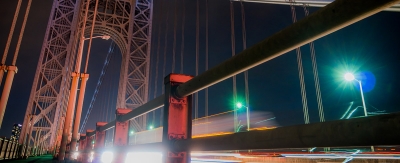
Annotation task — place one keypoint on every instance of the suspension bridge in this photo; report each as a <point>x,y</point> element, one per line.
<point>143,109</point>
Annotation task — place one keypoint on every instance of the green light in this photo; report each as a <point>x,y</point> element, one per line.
<point>239,105</point>
<point>151,127</point>
<point>132,132</point>
<point>93,142</point>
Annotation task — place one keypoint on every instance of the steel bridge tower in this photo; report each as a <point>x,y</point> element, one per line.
<point>128,22</point>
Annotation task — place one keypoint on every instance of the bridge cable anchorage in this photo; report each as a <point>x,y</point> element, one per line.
<point>99,84</point>
<point>315,72</point>
<point>300,69</point>
<point>235,118</point>
<point>246,74</point>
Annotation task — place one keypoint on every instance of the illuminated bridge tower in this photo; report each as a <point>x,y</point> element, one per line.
<point>128,22</point>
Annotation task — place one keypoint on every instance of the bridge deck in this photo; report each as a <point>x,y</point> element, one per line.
<point>37,159</point>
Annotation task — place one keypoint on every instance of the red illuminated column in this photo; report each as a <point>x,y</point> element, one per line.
<point>121,134</point>
<point>177,119</point>
<point>100,135</point>
<point>100,140</point>
<point>88,147</point>
<point>82,147</point>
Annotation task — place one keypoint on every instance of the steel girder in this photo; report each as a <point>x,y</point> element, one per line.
<point>311,3</point>
<point>129,27</point>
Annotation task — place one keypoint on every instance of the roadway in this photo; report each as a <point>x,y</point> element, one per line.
<point>37,159</point>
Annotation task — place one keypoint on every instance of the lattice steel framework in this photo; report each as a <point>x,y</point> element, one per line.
<point>129,27</point>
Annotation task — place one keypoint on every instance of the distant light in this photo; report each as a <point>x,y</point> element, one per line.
<point>132,132</point>
<point>239,105</point>
<point>105,37</point>
<point>151,127</point>
<point>150,157</point>
<point>349,76</point>
<point>107,157</point>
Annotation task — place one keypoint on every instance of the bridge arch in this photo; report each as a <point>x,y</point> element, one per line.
<point>128,23</point>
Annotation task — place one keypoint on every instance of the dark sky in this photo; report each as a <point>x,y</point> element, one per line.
<point>368,48</point>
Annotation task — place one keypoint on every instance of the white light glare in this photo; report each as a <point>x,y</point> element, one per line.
<point>148,157</point>
<point>107,157</point>
<point>349,76</point>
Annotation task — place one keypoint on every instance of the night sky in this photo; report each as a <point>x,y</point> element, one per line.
<point>368,48</point>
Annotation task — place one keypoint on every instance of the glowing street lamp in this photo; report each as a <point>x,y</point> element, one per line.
<point>240,105</point>
<point>350,77</point>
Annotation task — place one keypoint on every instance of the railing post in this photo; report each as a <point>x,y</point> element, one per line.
<point>121,134</point>
<point>177,119</point>
<point>11,148</point>
<point>1,146</point>
<point>6,149</point>
<point>88,146</point>
<point>81,148</point>
<point>100,140</point>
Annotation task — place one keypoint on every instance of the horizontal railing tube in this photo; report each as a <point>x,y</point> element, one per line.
<point>328,19</point>
<point>145,108</point>
<point>366,131</point>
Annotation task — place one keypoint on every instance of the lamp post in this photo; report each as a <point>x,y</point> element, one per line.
<point>350,77</point>
<point>240,105</point>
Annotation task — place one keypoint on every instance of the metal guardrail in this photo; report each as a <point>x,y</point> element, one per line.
<point>374,130</point>
<point>9,149</point>
<point>328,19</point>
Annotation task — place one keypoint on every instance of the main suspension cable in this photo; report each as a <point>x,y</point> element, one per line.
<point>99,84</point>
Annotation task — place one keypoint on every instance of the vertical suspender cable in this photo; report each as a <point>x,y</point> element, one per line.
<point>183,34</point>
<point>316,78</point>
<point>165,44</point>
<point>91,34</point>
<point>165,56</point>
<point>300,68</point>
<point>196,106</point>
<point>3,60</point>
<point>235,118</point>
<point>206,67</point>
<point>174,43</point>
<point>12,70</point>
<point>21,34</point>
<point>246,74</point>
<point>157,59</point>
